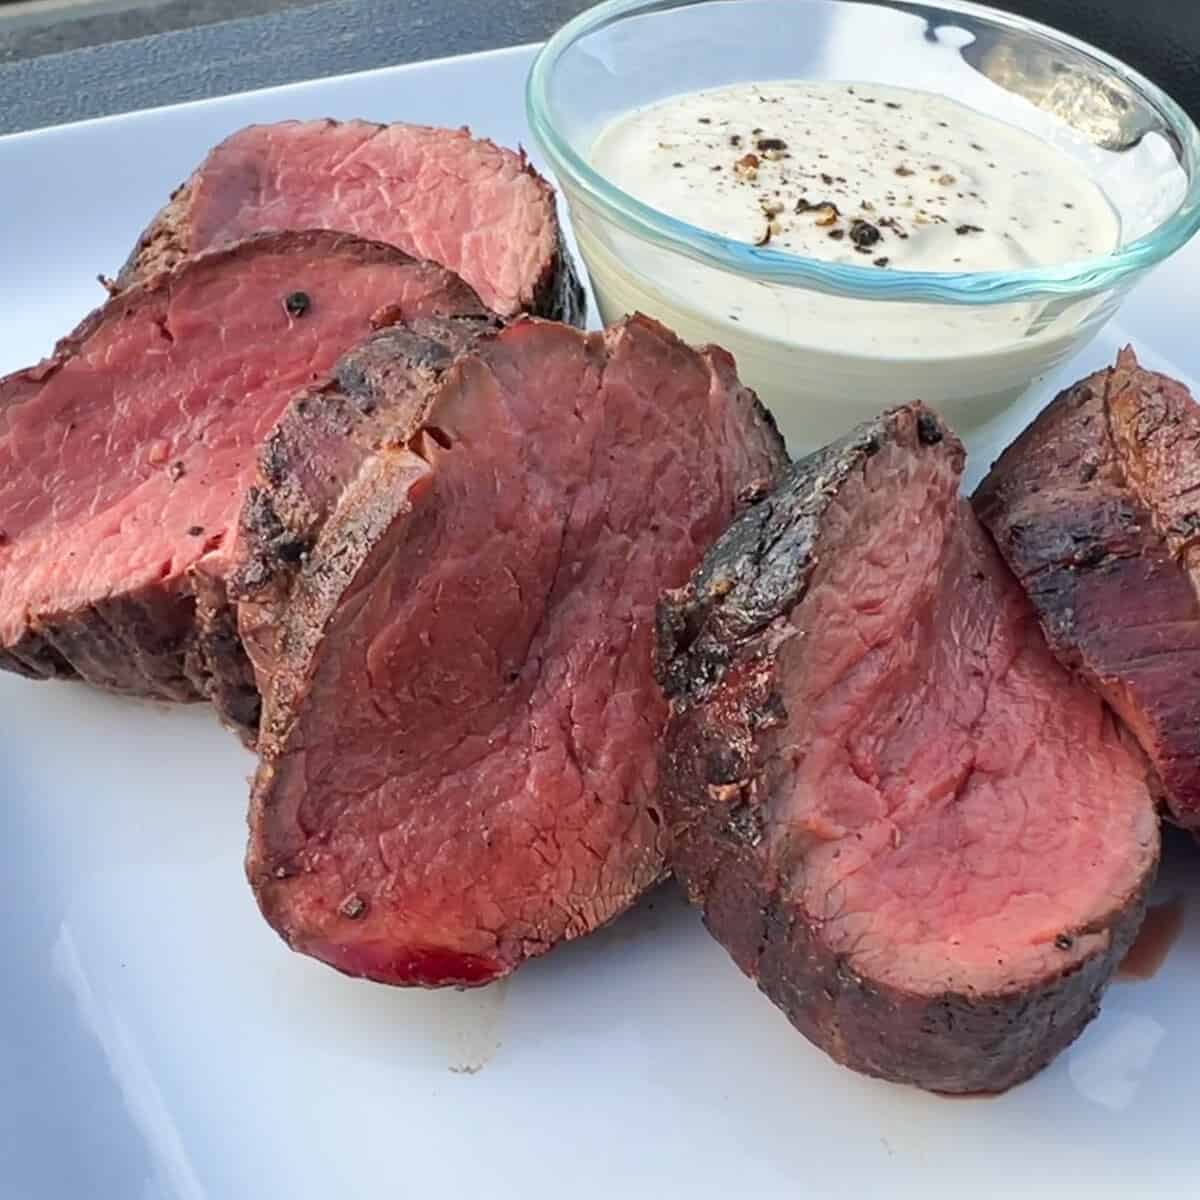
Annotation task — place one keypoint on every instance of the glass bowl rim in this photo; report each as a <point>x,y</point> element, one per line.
<point>1071,279</point>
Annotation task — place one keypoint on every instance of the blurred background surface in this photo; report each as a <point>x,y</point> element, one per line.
<point>63,60</point>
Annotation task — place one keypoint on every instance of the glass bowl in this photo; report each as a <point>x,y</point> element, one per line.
<point>846,341</point>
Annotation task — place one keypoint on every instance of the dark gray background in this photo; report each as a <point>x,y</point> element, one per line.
<point>297,41</point>
<point>55,65</point>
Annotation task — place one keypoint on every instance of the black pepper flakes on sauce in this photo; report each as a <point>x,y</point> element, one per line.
<point>863,234</point>
<point>766,172</point>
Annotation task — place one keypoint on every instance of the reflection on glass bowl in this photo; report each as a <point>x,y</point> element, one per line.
<point>969,343</point>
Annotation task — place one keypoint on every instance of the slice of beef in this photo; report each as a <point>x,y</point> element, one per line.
<point>459,741</point>
<point>439,194</point>
<point>125,458</point>
<point>1096,508</point>
<point>372,399</point>
<point>925,841</point>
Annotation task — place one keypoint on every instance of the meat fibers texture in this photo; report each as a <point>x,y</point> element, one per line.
<point>439,194</point>
<point>1096,508</point>
<point>126,457</point>
<point>927,843</point>
<point>459,745</point>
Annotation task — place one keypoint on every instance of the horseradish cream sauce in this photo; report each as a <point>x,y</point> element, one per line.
<point>858,173</point>
<point>880,177</point>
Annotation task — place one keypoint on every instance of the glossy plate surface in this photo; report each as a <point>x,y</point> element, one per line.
<point>157,1042</point>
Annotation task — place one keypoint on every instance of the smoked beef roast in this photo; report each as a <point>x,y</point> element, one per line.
<point>438,194</point>
<point>1096,508</point>
<point>459,742</point>
<point>923,838</point>
<point>126,457</point>
<point>309,459</point>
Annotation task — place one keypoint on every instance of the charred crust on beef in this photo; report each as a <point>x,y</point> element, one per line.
<point>354,414</point>
<point>175,637</point>
<point>745,823</point>
<point>292,549</point>
<point>1089,556</point>
<point>753,828</point>
<point>272,461</point>
<point>759,567</point>
<point>754,491</point>
<point>1091,507</point>
<point>523,878</point>
<point>1186,526</point>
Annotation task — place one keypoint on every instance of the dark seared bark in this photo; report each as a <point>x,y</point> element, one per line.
<point>311,457</point>
<point>325,545</point>
<point>953,1043</point>
<point>134,644</point>
<point>719,645</point>
<point>177,639</point>
<point>1095,508</point>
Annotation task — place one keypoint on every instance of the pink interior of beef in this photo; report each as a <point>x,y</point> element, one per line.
<point>129,463</point>
<point>477,759</point>
<point>435,193</point>
<point>959,803</point>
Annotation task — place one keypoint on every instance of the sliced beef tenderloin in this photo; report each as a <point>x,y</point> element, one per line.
<point>926,842</point>
<point>439,194</point>
<point>374,398</point>
<point>1096,508</point>
<point>125,458</point>
<point>459,741</point>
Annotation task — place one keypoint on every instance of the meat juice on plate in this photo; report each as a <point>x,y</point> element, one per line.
<point>851,174</point>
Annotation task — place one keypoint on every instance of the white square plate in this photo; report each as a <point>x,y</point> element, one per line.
<point>157,1041</point>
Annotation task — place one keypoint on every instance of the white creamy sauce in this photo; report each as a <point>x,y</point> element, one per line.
<point>859,173</point>
<point>884,178</point>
